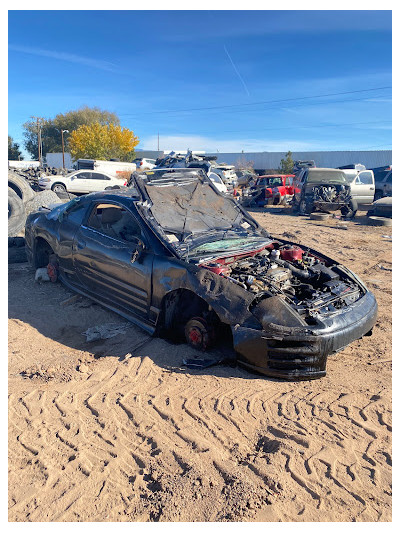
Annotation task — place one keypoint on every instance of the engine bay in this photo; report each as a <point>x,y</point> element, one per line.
<point>305,281</point>
<point>331,193</point>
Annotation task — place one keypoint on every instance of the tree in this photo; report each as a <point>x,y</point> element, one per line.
<point>51,128</point>
<point>14,153</point>
<point>102,141</point>
<point>287,164</point>
<point>244,164</point>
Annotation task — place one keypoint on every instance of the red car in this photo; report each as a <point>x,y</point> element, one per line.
<point>273,189</point>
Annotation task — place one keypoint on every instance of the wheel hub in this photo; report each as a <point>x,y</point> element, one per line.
<point>198,333</point>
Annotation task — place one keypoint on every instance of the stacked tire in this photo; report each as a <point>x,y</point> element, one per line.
<point>22,200</point>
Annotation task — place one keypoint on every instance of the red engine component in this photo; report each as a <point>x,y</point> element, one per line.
<point>291,253</point>
<point>217,268</point>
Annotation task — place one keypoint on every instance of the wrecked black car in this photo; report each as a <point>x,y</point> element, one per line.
<point>176,257</point>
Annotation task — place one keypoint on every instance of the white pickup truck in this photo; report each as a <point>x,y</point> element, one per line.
<point>362,184</point>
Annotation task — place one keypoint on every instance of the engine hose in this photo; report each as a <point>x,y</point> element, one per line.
<point>304,274</point>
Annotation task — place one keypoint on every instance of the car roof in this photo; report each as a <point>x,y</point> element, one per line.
<point>277,176</point>
<point>126,193</point>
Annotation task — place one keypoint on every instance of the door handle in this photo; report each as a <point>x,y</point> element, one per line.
<point>371,188</point>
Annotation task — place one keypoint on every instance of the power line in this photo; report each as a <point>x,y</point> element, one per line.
<point>230,106</point>
<point>297,127</point>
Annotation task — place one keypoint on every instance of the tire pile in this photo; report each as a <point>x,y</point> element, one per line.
<point>32,175</point>
<point>22,200</point>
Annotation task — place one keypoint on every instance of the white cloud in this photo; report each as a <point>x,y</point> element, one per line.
<point>63,56</point>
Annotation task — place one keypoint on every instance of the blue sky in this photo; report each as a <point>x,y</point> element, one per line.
<point>210,80</point>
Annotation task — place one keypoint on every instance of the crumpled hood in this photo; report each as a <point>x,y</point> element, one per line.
<point>189,204</point>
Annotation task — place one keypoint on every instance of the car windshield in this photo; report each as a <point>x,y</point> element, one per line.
<point>215,178</point>
<point>271,182</point>
<point>326,176</point>
<point>239,243</point>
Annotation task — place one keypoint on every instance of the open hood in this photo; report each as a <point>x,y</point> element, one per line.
<point>185,202</point>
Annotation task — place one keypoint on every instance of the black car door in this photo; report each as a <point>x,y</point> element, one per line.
<point>112,259</point>
<point>71,219</point>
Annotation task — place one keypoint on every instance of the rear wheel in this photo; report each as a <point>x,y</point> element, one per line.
<point>58,188</point>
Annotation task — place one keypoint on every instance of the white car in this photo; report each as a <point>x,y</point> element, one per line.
<point>217,181</point>
<point>81,181</point>
<point>227,174</point>
<point>144,163</point>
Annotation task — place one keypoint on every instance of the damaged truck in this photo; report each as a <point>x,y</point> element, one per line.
<point>176,257</point>
<point>323,189</point>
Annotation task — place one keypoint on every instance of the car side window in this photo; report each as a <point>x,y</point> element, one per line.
<point>76,213</point>
<point>365,178</point>
<point>98,176</point>
<point>83,175</point>
<point>116,222</point>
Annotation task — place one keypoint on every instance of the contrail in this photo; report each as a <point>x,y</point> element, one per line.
<point>237,72</point>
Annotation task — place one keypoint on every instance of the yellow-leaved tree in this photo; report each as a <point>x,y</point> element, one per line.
<point>102,141</point>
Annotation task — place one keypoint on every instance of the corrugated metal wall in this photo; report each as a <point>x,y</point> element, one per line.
<point>266,160</point>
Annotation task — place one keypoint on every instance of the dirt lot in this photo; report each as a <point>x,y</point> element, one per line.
<point>118,430</point>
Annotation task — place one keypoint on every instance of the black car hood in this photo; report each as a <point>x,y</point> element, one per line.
<point>189,204</point>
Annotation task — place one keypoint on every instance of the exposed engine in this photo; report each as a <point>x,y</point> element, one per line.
<point>331,193</point>
<point>303,279</point>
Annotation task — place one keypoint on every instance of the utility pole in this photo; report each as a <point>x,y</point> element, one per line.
<point>62,142</point>
<point>39,136</point>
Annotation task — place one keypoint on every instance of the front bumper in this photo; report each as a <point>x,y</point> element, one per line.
<point>301,352</point>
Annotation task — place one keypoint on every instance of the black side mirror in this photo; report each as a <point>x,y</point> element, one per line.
<point>138,251</point>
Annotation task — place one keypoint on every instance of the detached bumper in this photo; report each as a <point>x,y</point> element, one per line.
<point>301,353</point>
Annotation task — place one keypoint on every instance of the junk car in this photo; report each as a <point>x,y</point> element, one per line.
<point>176,257</point>
<point>275,189</point>
<point>323,189</point>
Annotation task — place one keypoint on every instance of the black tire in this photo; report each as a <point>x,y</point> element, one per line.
<point>16,242</point>
<point>42,199</point>
<point>58,188</point>
<point>379,221</point>
<point>20,186</point>
<point>277,200</point>
<point>16,213</point>
<point>305,207</point>
<point>350,210</point>
<point>320,216</point>
<point>17,255</point>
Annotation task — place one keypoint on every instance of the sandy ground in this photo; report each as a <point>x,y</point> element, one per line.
<point>119,430</point>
